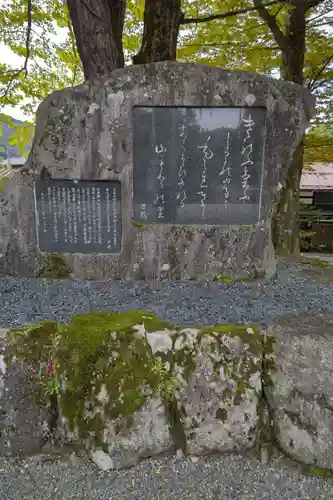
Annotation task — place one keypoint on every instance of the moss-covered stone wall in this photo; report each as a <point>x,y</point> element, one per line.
<point>103,370</point>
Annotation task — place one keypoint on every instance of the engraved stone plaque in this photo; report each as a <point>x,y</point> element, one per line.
<point>78,216</point>
<point>198,165</point>
<point>201,153</point>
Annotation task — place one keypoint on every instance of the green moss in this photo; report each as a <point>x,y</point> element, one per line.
<point>175,418</point>
<point>269,365</point>
<point>228,279</point>
<point>54,266</point>
<point>223,279</point>
<point>3,182</point>
<point>265,436</point>
<point>221,414</point>
<point>33,343</point>
<point>315,263</point>
<point>106,365</point>
<point>98,353</point>
<point>266,433</point>
<point>314,471</point>
<point>227,394</point>
<point>248,334</point>
<point>139,224</point>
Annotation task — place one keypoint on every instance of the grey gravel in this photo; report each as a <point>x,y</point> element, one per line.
<point>296,289</point>
<point>228,477</point>
<point>293,291</point>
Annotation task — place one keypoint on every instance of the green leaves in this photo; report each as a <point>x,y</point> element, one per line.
<point>242,41</point>
<point>21,134</point>
<point>246,42</point>
<point>319,145</point>
<point>53,61</point>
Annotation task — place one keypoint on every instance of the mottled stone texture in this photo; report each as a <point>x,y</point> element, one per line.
<point>206,399</point>
<point>213,385</point>
<point>22,422</point>
<point>85,133</point>
<point>221,397</point>
<point>301,393</point>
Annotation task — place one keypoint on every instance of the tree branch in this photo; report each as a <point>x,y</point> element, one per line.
<point>315,77</point>
<point>28,38</point>
<point>74,49</point>
<point>310,19</point>
<point>24,68</point>
<point>271,22</point>
<point>224,15</point>
<point>328,22</point>
<point>232,44</point>
<point>310,4</point>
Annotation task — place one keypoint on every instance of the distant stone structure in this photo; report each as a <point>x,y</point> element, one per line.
<point>166,170</point>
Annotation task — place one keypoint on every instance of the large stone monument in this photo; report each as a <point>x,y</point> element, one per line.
<point>165,170</point>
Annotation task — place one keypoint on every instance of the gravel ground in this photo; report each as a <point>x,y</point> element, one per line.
<point>296,289</point>
<point>223,478</point>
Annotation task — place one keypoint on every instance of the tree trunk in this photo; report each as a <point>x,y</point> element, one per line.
<point>98,28</point>
<point>294,53</point>
<point>160,33</point>
<point>285,224</point>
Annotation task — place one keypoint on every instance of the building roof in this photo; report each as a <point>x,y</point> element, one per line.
<point>318,176</point>
<point>7,172</point>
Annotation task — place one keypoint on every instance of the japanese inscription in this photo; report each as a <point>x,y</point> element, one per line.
<point>160,197</point>
<point>196,165</point>
<point>78,216</point>
<point>225,172</point>
<point>181,194</point>
<point>207,155</point>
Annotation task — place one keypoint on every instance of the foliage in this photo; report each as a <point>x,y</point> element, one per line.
<point>48,53</point>
<point>309,215</point>
<point>319,144</point>
<point>50,61</point>
<point>20,136</point>
<point>246,42</point>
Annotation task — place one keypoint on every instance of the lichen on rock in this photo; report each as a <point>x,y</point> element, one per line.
<point>3,181</point>
<point>300,393</point>
<point>135,385</point>
<point>54,266</point>
<point>221,396</point>
<point>105,367</point>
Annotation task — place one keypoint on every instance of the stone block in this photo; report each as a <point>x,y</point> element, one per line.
<point>85,133</point>
<point>23,422</point>
<point>301,390</point>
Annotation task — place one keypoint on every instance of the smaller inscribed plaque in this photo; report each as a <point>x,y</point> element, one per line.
<point>198,165</point>
<point>78,216</point>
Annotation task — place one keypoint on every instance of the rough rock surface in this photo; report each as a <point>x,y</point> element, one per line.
<point>142,387</point>
<point>152,388</point>
<point>220,400</point>
<point>22,422</point>
<point>301,395</point>
<point>85,133</point>
<point>148,436</point>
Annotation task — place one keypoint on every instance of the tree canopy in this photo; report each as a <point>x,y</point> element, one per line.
<point>228,33</point>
